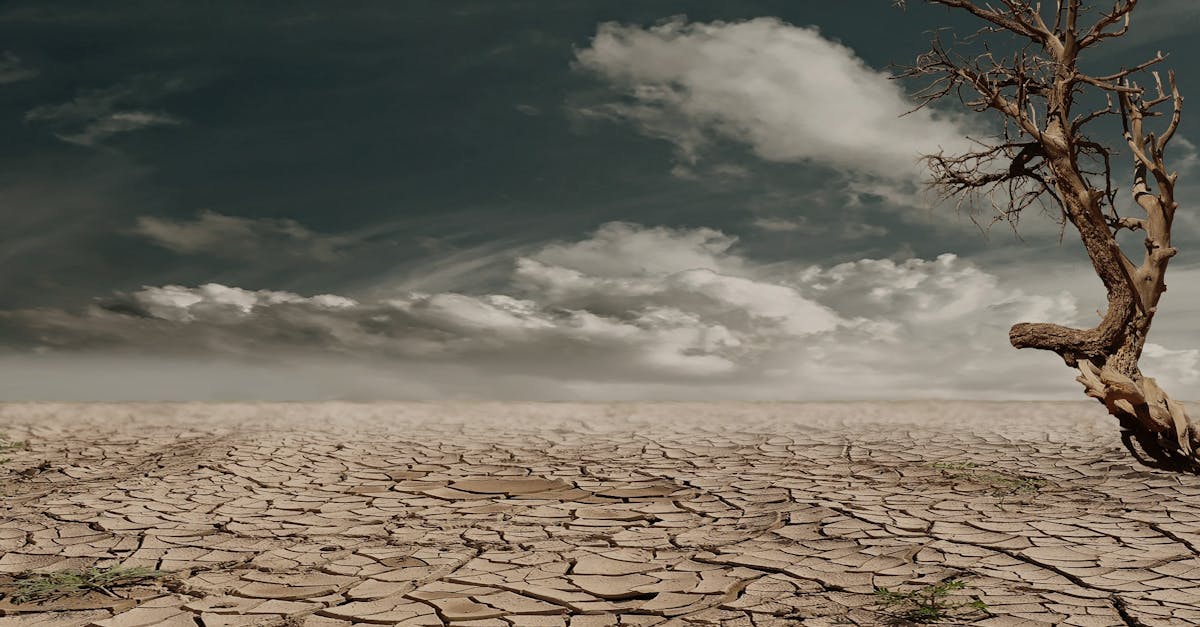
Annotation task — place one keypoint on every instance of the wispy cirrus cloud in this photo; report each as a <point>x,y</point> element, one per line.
<point>13,70</point>
<point>212,233</point>
<point>98,114</point>
<point>843,230</point>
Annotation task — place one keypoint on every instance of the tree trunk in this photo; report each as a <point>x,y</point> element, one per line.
<point>1044,153</point>
<point>1155,428</point>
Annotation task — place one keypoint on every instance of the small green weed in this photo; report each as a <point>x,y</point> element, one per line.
<point>45,586</point>
<point>929,604</point>
<point>955,465</point>
<point>10,445</point>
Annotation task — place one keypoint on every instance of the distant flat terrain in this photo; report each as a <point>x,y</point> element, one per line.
<point>596,514</point>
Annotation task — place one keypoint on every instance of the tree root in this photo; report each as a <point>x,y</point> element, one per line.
<point>1158,425</point>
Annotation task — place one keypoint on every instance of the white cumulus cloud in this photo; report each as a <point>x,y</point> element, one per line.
<point>1172,368</point>
<point>786,91</point>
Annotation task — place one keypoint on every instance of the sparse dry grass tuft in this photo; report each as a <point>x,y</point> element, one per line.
<point>1002,483</point>
<point>46,586</point>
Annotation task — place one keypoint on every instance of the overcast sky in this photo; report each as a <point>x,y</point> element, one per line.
<point>537,199</point>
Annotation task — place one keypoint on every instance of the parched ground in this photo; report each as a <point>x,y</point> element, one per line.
<point>557,514</point>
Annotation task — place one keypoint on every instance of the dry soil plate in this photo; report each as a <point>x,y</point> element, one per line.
<point>557,514</point>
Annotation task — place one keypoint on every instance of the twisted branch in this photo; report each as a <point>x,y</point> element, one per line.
<point>1046,155</point>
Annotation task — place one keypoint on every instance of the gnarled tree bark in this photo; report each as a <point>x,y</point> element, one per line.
<point>1045,156</point>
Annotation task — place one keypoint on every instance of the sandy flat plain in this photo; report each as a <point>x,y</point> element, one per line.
<point>557,514</point>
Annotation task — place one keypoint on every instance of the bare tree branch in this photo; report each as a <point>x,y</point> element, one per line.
<point>1051,156</point>
<point>1119,14</point>
<point>1012,20</point>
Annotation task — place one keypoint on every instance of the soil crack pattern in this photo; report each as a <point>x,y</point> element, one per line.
<point>588,515</point>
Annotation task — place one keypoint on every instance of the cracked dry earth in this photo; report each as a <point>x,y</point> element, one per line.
<point>560,514</point>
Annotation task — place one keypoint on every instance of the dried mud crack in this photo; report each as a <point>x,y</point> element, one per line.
<point>525,514</point>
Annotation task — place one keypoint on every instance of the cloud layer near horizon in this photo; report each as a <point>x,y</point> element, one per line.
<point>629,312</point>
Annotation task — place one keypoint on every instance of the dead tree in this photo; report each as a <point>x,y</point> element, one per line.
<point>1048,154</point>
